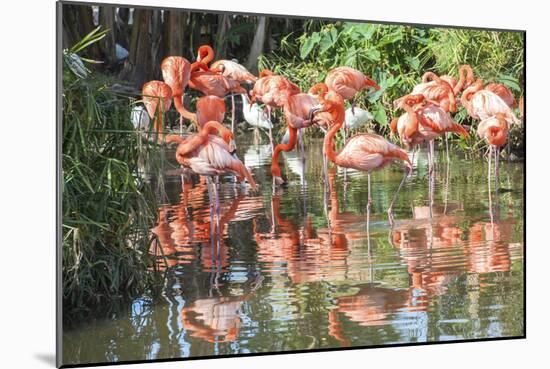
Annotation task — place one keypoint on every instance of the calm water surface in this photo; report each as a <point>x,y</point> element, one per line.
<point>300,268</point>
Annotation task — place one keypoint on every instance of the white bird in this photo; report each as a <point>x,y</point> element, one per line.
<point>255,116</point>
<point>139,117</point>
<point>355,120</point>
<point>360,118</point>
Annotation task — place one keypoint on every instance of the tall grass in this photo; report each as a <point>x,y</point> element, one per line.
<point>107,204</point>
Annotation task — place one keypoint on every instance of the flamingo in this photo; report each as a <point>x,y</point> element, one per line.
<point>465,78</point>
<point>153,92</point>
<point>503,92</point>
<point>232,70</point>
<point>482,104</point>
<point>347,82</point>
<point>437,91</point>
<point>209,155</point>
<point>209,108</point>
<point>365,152</point>
<point>176,72</point>
<point>257,118</point>
<point>424,122</point>
<point>494,130</point>
<point>211,83</point>
<point>297,114</point>
<point>235,71</point>
<point>272,90</point>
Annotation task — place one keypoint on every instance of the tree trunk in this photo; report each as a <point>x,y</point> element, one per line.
<point>123,29</point>
<point>220,44</point>
<point>107,21</point>
<point>138,65</point>
<point>173,33</point>
<point>257,45</point>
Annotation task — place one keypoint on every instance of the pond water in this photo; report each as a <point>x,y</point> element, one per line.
<point>299,268</point>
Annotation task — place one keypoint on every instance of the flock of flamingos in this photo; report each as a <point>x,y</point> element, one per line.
<point>426,115</point>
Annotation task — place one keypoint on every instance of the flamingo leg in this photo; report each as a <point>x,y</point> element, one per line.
<point>497,159</point>
<point>390,209</point>
<point>489,183</point>
<point>447,146</point>
<point>271,139</point>
<point>181,118</point>
<point>345,169</point>
<point>369,203</point>
<point>432,156</point>
<point>302,151</point>
<point>233,114</point>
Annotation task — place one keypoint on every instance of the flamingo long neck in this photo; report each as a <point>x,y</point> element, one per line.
<point>213,128</point>
<point>329,146</point>
<point>465,75</point>
<point>429,76</point>
<point>196,66</point>
<point>275,169</point>
<point>499,134</point>
<point>466,98</point>
<point>209,54</point>
<point>412,125</point>
<point>180,107</point>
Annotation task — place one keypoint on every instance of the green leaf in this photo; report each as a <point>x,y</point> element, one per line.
<point>328,40</point>
<point>379,114</point>
<point>309,44</point>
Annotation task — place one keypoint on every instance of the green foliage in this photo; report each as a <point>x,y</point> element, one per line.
<point>396,57</point>
<point>106,202</point>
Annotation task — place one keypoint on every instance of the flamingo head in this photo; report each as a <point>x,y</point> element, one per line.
<point>205,54</point>
<point>371,83</point>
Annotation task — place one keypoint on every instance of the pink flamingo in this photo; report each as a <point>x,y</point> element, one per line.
<point>297,109</point>
<point>233,71</point>
<point>424,122</point>
<point>154,92</point>
<point>347,82</point>
<point>482,104</point>
<point>211,83</point>
<point>175,72</point>
<point>209,108</point>
<point>365,152</point>
<point>494,130</point>
<point>209,155</point>
<point>272,90</point>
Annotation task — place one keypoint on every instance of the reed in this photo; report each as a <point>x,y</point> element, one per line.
<point>108,205</point>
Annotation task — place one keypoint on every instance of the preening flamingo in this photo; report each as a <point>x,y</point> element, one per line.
<point>154,92</point>
<point>209,108</point>
<point>482,104</point>
<point>257,118</point>
<point>211,83</point>
<point>347,82</point>
<point>503,92</point>
<point>365,152</point>
<point>424,122</point>
<point>175,72</point>
<point>272,90</point>
<point>494,130</point>
<point>437,91</point>
<point>210,155</point>
<point>297,115</point>
<point>465,78</point>
<point>234,70</point>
